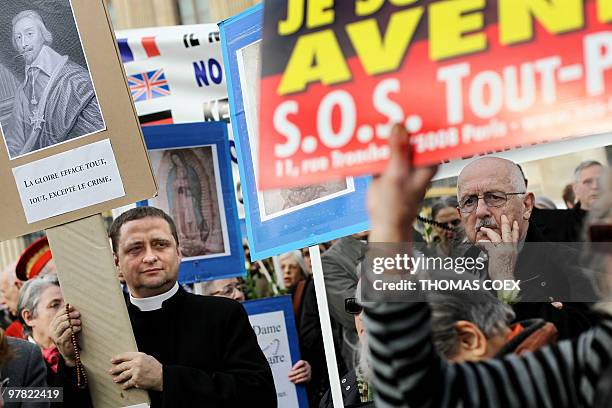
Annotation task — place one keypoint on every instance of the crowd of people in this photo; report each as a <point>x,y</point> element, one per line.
<point>547,344</point>
<point>408,369</point>
<point>554,308</point>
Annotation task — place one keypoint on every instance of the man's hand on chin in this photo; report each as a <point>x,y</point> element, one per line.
<point>501,249</point>
<point>137,370</point>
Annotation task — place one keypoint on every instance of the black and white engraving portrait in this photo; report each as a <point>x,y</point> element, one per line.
<point>46,92</point>
<point>273,203</point>
<point>189,190</point>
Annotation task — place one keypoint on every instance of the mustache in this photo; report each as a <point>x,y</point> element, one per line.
<point>485,222</point>
<point>21,54</point>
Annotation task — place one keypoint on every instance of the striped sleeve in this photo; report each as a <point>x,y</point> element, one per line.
<point>408,372</point>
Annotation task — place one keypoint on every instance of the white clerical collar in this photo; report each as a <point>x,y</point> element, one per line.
<point>154,302</point>
<point>47,60</point>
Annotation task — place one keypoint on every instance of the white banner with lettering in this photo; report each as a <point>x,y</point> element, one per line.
<point>176,75</point>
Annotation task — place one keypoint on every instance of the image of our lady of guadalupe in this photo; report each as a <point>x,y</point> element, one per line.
<point>184,193</point>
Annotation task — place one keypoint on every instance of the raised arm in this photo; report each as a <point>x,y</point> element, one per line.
<point>408,371</point>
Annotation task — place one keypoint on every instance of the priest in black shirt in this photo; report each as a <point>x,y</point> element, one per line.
<point>194,350</point>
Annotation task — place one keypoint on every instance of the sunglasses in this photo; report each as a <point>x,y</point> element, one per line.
<point>351,306</point>
<point>454,223</point>
<point>599,234</point>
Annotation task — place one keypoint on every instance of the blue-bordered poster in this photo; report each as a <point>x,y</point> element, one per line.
<point>191,163</point>
<point>279,220</point>
<point>273,322</point>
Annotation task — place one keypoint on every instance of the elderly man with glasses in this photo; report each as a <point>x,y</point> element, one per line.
<point>229,288</point>
<point>495,208</point>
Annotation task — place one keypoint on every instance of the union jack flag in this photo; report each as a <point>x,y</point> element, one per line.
<point>148,85</point>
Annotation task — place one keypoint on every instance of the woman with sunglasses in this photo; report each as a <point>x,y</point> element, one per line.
<point>355,385</point>
<point>447,224</point>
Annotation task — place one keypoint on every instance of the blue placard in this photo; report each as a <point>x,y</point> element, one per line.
<point>280,304</point>
<point>278,221</point>
<point>192,165</point>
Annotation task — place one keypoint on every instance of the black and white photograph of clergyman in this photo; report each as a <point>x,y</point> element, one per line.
<point>46,91</point>
<point>190,191</point>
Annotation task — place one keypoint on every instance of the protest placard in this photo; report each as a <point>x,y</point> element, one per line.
<point>283,219</point>
<point>191,163</point>
<point>175,73</point>
<point>274,325</point>
<point>464,77</point>
<point>72,147</point>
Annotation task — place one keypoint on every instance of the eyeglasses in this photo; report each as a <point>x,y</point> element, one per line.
<point>228,290</point>
<point>600,233</point>
<point>491,199</point>
<point>352,306</point>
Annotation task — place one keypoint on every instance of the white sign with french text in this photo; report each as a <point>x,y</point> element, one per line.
<point>68,181</point>
<point>273,340</point>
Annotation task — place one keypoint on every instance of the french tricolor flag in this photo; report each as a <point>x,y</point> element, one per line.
<point>134,49</point>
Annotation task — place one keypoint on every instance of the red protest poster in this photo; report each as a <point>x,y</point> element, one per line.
<point>465,77</point>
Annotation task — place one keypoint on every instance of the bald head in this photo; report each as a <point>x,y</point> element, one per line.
<point>502,170</point>
<point>494,175</point>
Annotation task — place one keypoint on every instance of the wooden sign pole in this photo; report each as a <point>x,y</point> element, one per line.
<point>89,282</point>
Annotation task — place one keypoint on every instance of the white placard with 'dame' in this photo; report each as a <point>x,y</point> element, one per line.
<point>68,181</point>
<point>273,340</point>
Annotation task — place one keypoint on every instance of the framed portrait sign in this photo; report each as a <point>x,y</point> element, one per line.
<point>70,141</point>
<point>274,325</point>
<point>290,218</point>
<point>192,166</point>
